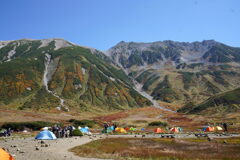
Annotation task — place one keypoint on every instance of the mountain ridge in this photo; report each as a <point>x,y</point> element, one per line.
<point>179,72</point>
<point>127,75</point>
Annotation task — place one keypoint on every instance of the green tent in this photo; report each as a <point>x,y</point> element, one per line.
<point>109,130</point>
<point>133,129</point>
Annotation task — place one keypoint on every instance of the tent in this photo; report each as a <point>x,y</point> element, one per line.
<point>175,130</point>
<point>179,129</point>
<point>218,128</point>
<point>120,130</point>
<point>85,130</point>
<point>208,129</point>
<point>46,135</point>
<point>109,130</point>
<point>142,129</point>
<point>4,155</point>
<point>133,129</point>
<point>111,127</point>
<point>126,128</point>
<point>158,130</point>
<point>44,128</point>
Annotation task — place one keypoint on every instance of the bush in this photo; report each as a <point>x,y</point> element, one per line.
<point>158,123</point>
<point>83,123</point>
<point>77,132</point>
<point>19,126</point>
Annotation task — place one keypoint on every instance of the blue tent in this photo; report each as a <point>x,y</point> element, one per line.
<point>46,135</point>
<point>84,130</point>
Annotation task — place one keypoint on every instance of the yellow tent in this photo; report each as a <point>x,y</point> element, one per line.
<point>44,128</point>
<point>4,155</point>
<point>218,128</point>
<point>120,130</point>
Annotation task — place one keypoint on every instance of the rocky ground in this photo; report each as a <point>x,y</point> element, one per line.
<point>29,148</point>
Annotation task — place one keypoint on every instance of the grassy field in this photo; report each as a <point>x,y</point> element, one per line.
<point>139,118</point>
<point>167,149</point>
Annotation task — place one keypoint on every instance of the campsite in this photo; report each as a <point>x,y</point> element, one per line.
<point>120,80</point>
<point>140,139</point>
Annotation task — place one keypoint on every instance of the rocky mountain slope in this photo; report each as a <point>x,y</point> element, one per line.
<point>227,102</point>
<point>180,72</point>
<point>56,74</point>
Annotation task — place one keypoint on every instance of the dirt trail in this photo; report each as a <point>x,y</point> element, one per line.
<point>57,149</point>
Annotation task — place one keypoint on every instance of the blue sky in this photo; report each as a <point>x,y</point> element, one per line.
<point>103,23</point>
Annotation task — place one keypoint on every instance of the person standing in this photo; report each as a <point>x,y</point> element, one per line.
<point>225,127</point>
<point>114,126</point>
<point>105,127</point>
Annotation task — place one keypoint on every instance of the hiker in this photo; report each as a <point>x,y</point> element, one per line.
<point>59,132</point>
<point>225,127</point>
<point>67,133</point>
<point>70,128</point>
<point>54,129</point>
<point>105,127</point>
<point>114,126</point>
<point>63,133</point>
<point>8,132</point>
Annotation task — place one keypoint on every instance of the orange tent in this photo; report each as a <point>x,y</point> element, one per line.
<point>158,130</point>
<point>174,130</point>
<point>4,155</point>
<point>209,129</point>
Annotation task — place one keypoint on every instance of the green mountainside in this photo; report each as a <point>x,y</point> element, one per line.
<point>228,102</point>
<point>83,77</point>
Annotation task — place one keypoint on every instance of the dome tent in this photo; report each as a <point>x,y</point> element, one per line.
<point>218,128</point>
<point>46,135</point>
<point>208,129</point>
<point>158,130</point>
<point>109,130</point>
<point>4,155</point>
<point>85,130</point>
<point>174,130</point>
<point>120,130</point>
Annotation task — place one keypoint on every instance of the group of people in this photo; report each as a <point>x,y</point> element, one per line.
<point>62,132</point>
<point>106,125</point>
<point>7,132</point>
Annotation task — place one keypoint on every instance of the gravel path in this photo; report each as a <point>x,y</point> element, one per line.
<point>25,148</point>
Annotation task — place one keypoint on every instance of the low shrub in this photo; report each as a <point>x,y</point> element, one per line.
<point>77,132</point>
<point>19,126</point>
<point>158,123</point>
<point>83,123</point>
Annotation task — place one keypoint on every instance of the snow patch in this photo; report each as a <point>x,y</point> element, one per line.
<point>83,71</point>
<point>112,79</point>
<point>47,77</point>
<point>10,54</point>
<point>138,87</point>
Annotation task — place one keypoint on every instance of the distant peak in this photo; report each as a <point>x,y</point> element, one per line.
<point>121,43</point>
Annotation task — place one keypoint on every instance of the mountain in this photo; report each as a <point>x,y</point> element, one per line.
<point>54,74</point>
<point>180,72</point>
<point>227,102</point>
